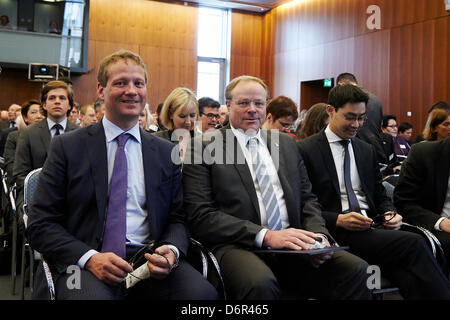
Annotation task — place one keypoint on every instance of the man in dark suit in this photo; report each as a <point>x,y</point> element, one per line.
<point>422,194</point>
<point>370,131</point>
<point>107,190</point>
<point>12,116</point>
<point>345,177</point>
<point>34,140</point>
<point>236,203</point>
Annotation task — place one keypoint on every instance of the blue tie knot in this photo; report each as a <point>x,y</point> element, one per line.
<point>252,142</point>
<point>344,143</point>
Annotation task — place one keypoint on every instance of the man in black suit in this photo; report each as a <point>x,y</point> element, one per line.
<point>107,190</point>
<point>34,140</point>
<point>233,208</point>
<point>12,116</point>
<point>422,194</point>
<point>346,178</point>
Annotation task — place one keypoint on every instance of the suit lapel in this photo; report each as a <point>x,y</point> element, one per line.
<point>96,148</point>
<point>325,150</point>
<point>45,134</point>
<point>236,154</point>
<point>152,172</point>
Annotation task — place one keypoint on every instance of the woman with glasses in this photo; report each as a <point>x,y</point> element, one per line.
<point>390,129</point>
<point>178,115</point>
<point>281,113</point>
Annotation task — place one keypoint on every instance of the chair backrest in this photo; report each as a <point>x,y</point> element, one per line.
<point>29,187</point>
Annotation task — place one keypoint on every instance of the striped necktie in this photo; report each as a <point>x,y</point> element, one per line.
<point>266,187</point>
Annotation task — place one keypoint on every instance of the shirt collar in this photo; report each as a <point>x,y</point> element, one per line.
<point>112,131</point>
<point>51,123</point>
<point>243,138</point>
<point>331,136</point>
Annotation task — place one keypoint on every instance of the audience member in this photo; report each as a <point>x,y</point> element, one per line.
<point>12,115</point>
<point>156,123</point>
<point>99,107</point>
<point>3,115</point>
<point>87,115</point>
<point>228,208</point>
<point>346,179</point>
<point>178,115</point>
<point>78,218</point>
<point>438,105</point>
<point>281,113</point>
<point>405,130</point>
<point>371,129</point>
<point>223,115</point>
<point>315,120</point>
<point>31,113</point>
<point>389,127</point>
<point>143,118</point>
<point>4,22</point>
<point>74,114</point>
<point>438,125</point>
<point>422,194</point>
<point>208,109</point>
<point>53,27</point>
<point>34,140</point>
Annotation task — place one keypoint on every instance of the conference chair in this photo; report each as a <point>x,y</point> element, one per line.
<point>30,185</point>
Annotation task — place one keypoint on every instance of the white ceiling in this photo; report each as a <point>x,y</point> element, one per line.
<point>259,6</point>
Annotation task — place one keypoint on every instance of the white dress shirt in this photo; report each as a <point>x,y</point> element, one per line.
<point>338,152</point>
<point>273,175</point>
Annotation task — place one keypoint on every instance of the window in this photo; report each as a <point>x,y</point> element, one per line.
<point>212,51</point>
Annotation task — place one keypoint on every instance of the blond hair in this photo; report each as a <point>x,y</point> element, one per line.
<point>178,98</point>
<point>121,55</point>
<point>233,83</point>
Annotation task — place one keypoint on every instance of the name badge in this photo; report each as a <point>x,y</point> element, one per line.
<point>402,146</point>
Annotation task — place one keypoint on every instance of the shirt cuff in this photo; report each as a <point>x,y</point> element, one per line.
<point>260,238</point>
<point>85,257</point>
<point>436,226</point>
<point>177,253</point>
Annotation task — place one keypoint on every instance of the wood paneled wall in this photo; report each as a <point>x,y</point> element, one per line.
<point>405,63</point>
<point>163,34</point>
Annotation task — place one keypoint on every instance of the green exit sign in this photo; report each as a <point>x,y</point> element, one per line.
<point>328,82</point>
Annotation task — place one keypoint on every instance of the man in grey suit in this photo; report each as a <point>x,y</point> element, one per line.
<point>34,141</point>
<point>233,209</point>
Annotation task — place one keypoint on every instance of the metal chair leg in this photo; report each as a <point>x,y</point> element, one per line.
<point>31,268</point>
<point>22,269</point>
<point>14,257</point>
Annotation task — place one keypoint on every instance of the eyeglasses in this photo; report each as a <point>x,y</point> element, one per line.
<point>381,219</point>
<point>360,119</point>
<point>286,126</point>
<point>393,126</point>
<point>138,258</point>
<point>212,115</point>
<point>246,103</point>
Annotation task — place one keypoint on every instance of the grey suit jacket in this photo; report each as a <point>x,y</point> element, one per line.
<point>32,147</point>
<point>220,199</point>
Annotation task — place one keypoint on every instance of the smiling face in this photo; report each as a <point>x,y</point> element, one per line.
<point>247,105</point>
<point>125,93</point>
<point>346,121</point>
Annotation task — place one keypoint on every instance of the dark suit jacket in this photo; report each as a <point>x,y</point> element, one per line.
<point>220,199</point>
<point>422,186</point>
<point>371,129</point>
<point>4,124</point>
<point>10,152</point>
<point>3,136</point>
<point>322,173</point>
<point>32,148</point>
<point>67,214</point>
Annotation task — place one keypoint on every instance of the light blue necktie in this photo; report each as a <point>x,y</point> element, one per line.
<point>266,187</point>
